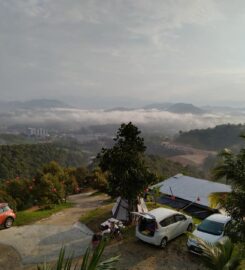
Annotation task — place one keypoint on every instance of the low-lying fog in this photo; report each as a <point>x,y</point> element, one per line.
<point>161,121</point>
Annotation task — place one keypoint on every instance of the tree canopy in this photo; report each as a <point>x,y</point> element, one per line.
<point>232,166</point>
<point>24,160</point>
<point>215,138</point>
<point>128,174</point>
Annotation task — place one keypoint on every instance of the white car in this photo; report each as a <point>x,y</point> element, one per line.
<point>160,225</point>
<point>212,230</point>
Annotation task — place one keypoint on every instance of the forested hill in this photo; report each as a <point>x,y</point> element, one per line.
<point>164,168</point>
<point>217,138</point>
<point>24,160</point>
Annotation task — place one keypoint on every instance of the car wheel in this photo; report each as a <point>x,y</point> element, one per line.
<point>190,227</point>
<point>164,242</point>
<point>8,222</point>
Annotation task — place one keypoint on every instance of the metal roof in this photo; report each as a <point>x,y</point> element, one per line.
<point>191,189</point>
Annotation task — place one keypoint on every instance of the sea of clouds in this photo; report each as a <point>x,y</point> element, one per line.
<point>155,119</point>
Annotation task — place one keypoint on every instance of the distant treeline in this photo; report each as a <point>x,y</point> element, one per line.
<point>216,138</point>
<point>26,159</point>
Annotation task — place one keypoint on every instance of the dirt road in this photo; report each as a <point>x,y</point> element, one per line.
<point>82,204</point>
<point>42,241</point>
<point>192,156</point>
<point>137,255</point>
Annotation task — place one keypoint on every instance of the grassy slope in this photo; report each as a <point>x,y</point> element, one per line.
<point>28,217</point>
<point>95,217</point>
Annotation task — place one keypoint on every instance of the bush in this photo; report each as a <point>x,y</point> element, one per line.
<point>4,197</point>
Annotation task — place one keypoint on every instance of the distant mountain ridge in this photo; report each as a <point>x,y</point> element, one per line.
<point>185,108</point>
<point>44,103</point>
<point>121,109</point>
<point>176,107</point>
<point>32,104</point>
<point>159,106</point>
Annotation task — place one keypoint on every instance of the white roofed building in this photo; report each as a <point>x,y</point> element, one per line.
<point>182,191</point>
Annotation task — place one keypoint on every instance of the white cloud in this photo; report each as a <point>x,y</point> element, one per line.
<point>163,121</point>
<point>171,48</point>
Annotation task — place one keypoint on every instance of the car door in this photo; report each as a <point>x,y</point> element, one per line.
<point>168,227</point>
<point>180,224</point>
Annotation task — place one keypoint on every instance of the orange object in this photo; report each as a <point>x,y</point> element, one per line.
<point>7,215</point>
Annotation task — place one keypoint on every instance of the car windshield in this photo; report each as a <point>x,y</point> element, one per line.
<point>6,208</point>
<point>212,227</point>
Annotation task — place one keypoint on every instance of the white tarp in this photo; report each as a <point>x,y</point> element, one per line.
<point>141,206</point>
<point>191,189</point>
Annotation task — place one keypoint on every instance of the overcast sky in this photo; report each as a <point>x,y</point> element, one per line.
<point>123,52</point>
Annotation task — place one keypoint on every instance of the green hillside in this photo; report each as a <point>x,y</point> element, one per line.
<point>16,139</point>
<point>24,160</point>
<point>216,138</point>
<point>165,168</point>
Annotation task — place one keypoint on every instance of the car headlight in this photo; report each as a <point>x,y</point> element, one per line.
<point>192,241</point>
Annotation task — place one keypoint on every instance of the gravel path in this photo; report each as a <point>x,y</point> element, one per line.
<point>42,241</point>
<point>137,255</point>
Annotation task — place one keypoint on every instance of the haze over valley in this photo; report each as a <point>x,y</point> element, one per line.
<point>181,132</point>
<point>161,118</point>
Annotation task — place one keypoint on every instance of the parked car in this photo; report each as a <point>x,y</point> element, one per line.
<point>212,229</point>
<point>161,225</point>
<point>7,215</point>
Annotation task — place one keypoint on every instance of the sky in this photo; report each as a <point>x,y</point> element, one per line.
<point>122,52</point>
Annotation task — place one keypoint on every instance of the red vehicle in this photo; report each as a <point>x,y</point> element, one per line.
<point>7,215</point>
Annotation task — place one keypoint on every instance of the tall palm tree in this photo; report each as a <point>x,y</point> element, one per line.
<point>91,260</point>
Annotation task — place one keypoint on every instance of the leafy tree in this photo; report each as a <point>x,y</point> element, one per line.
<point>70,182</point>
<point>19,189</point>
<point>5,197</point>
<point>128,174</point>
<point>49,184</point>
<point>81,173</point>
<point>48,190</point>
<point>232,167</point>
<point>99,180</point>
<point>53,168</point>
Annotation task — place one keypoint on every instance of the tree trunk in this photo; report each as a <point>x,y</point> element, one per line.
<point>132,207</point>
